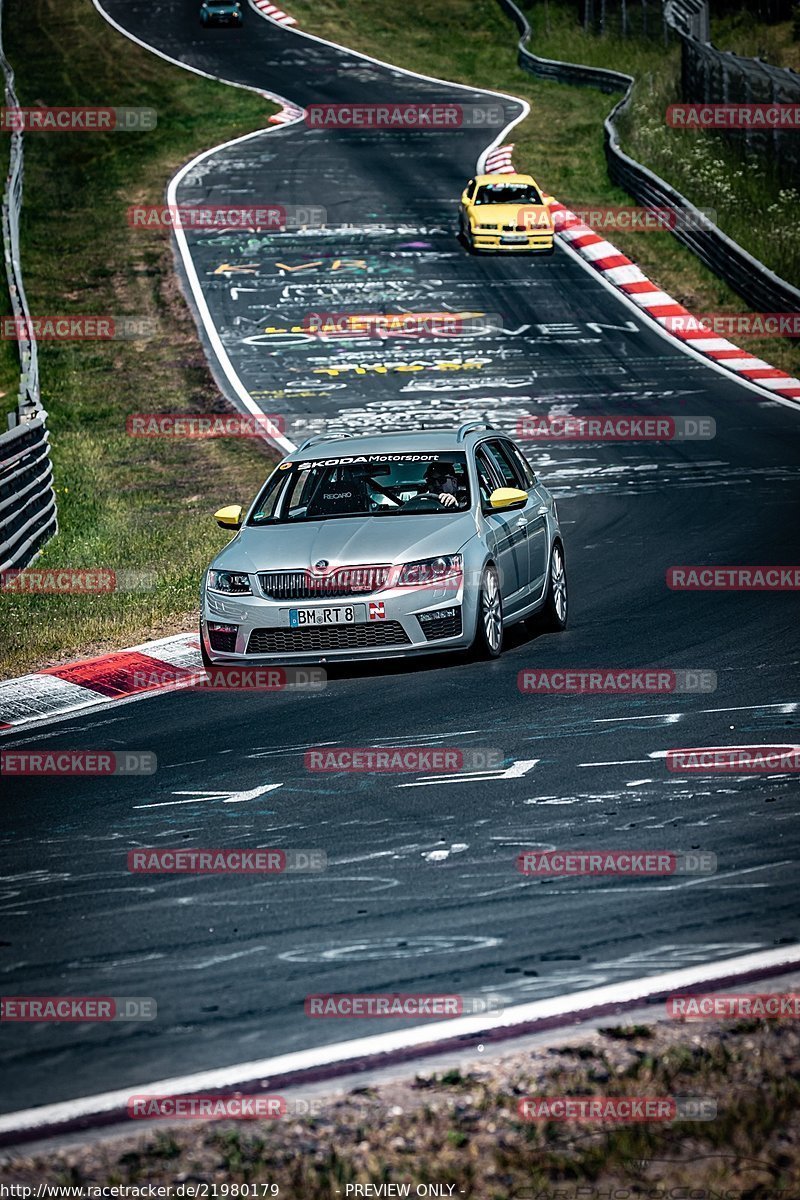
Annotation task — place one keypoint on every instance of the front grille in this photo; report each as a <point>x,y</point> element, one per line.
<point>330,637</point>
<point>444,624</point>
<point>305,585</point>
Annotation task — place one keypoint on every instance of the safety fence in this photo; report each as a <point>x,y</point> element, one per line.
<point>712,76</point>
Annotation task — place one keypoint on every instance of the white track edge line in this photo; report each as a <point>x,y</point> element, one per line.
<point>571,1005</point>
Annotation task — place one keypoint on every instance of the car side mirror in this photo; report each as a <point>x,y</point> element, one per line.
<point>502,499</point>
<point>229,517</point>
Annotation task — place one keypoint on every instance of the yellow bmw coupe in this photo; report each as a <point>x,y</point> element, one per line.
<point>505,213</point>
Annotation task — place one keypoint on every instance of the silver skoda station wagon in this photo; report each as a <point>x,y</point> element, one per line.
<point>386,546</point>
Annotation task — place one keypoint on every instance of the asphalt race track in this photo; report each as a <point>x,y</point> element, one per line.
<point>421,891</point>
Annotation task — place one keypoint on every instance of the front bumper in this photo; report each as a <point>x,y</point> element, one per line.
<point>507,243</point>
<point>233,19</point>
<point>420,620</point>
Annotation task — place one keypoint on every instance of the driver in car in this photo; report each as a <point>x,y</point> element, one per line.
<point>440,479</point>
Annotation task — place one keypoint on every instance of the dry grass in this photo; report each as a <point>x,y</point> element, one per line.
<point>462,1128</point>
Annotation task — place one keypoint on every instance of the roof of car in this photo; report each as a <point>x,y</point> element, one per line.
<point>415,441</point>
<point>506,178</point>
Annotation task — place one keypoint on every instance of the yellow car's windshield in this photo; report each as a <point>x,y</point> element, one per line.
<point>507,193</point>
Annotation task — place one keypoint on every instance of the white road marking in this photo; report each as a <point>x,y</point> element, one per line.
<point>621,762</point>
<point>785,707</point>
<point>670,718</point>
<point>515,771</point>
<point>227,797</point>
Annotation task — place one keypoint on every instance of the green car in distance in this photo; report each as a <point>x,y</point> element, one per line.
<point>221,12</point>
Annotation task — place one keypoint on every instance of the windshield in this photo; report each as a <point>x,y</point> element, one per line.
<point>507,193</point>
<point>377,485</point>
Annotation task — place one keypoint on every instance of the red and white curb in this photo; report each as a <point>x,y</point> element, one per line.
<point>273,12</point>
<point>288,114</point>
<point>627,278</point>
<point>76,686</point>
<point>380,1051</point>
<point>498,161</point>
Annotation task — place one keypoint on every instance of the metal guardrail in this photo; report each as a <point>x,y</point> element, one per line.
<point>760,287</point>
<point>27,500</point>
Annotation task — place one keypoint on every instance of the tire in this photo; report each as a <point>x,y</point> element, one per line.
<point>488,641</point>
<point>555,613</point>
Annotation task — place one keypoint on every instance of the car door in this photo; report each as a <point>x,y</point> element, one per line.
<point>505,536</point>
<point>531,520</point>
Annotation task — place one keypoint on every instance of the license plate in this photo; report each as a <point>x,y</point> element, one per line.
<point>339,614</point>
<point>514,237</point>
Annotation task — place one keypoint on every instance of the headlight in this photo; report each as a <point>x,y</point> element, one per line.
<point>229,583</point>
<point>491,228</point>
<point>447,567</point>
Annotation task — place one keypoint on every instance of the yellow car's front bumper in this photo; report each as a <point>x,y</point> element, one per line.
<point>509,243</point>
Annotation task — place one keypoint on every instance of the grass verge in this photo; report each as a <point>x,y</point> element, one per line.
<point>462,1129</point>
<point>124,503</point>
<point>561,142</point>
<point>743,33</point>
